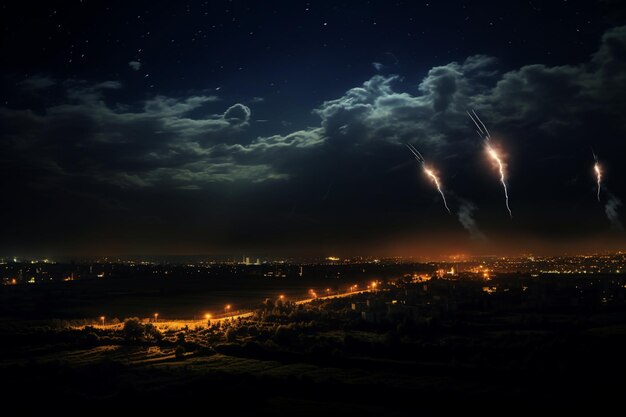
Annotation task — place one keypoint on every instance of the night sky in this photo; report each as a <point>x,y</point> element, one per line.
<point>279,127</point>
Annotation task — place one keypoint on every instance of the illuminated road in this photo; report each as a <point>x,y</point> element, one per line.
<point>250,313</point>
<point>164,324</point>
<point>328,297</point>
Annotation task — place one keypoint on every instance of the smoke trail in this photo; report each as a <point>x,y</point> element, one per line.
<point>610,208</point>
<point>466,217</point>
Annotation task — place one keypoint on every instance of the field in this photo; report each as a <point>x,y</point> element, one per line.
<point>391,351</point>
<point>189,299</point>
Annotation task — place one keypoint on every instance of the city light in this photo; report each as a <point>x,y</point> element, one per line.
<point>102,320</point>
<point>207,316</point>
<point>156,317</point>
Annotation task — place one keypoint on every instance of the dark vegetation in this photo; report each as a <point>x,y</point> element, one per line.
<point>407,348</point>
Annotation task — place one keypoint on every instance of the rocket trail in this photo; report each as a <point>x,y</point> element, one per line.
<point>415,153</point>
<point>496,158</point>
<point>596,168</point>
<point>483,132</point>
<point>430,174</point>
<point>483,125</point>
<point>480,131</point>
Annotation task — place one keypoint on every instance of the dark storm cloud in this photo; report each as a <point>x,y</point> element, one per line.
<point>199,143</point>
<point>376,111</point>
<point>555,96</point>
<point>158,144</point>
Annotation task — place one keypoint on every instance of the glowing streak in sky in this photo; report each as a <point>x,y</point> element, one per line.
<point>496,158</point>
<point>430,173</point>
<point>596,168</point>
<point>483,132</point>
<point>432,176</point>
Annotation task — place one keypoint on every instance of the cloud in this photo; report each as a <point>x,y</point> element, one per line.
<point>135,65</point>
<point>169,106</point>
<point>299,139</point>
<point>554,98</point>
<point>376,111</point>
<point>36,82</point>
<point>237,114</point>
<point>158,144</point>
<point>378,66</point>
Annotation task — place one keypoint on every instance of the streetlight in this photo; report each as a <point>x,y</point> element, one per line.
<point>227,308</point>
<point>207,316</point>
<point>156,317</point>
<point>102,320</point>
<point>282,297</point>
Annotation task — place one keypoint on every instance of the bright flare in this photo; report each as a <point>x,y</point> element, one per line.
<point>483,132</point>
<point>418,156</point>
<point>596,168</point>
<point>496,158</point>
<point>433,177</point>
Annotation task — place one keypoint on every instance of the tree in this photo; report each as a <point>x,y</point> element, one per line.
<point>133,330</point>
<point>230,335</point>
<point>179,352</point>
<point>152,333</point>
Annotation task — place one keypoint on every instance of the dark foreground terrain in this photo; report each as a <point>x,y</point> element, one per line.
<point>505,346</point>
